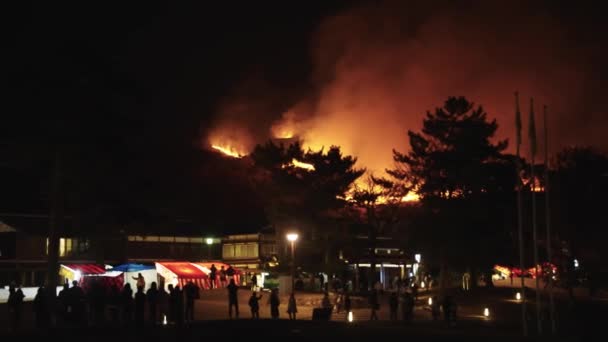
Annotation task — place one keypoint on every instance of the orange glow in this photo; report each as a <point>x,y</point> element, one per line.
<point>228,150</point>
<point>302,165</point>
<point>285,128</point>
<point>282,132</point>
<point>411,197</point>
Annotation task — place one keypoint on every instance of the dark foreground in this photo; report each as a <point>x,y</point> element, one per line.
<point>262,330</point>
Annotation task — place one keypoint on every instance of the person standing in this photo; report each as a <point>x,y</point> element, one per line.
<point>41,309</point>
<point>292,308</point>
<point>254,282</point>
<point>222,277</point>
<point>77,303</point>
<point>190,293</point>
<point>126,300</point>
<point>15,306</point>
<point>172,303</point>
<point>179,309</point>
<point>141,282</point>
<point>233,299</point>
<point>374,305</point>
<point>140,303</point>
<point>213,276</point>
<point>254,305</point>
<point>152,296</point>
<point>274,303</point>
<point>393,303</point>
<point>347,305</point>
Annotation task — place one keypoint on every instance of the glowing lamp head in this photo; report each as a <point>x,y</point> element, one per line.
<point>209,241</point>
<point>350,317</point>
<point>430,301</point>
<point>486,313</point>
<point>421,284</point>
<point>77,275</point>
<point>164,319</point>
<point>518,296</point>
<point>292,237</point>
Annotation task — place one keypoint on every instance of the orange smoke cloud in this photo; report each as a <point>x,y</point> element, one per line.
<point>379,68</point>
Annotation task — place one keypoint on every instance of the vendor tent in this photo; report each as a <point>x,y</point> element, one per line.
<point>105,281</point>
<point>180,273</point>
<point>131,272</point>
<point>76,271</point>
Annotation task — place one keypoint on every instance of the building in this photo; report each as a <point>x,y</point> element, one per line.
<point>251,252</point>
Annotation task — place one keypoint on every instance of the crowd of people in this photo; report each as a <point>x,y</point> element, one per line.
<point>99,305</point>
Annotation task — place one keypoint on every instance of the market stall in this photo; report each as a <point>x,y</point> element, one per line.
<point>131,271</point>
<point>71,272</point>
<point>180,273</point>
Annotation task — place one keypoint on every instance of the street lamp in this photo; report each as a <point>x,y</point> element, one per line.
<point>209,242</point>
<point>292,237</point>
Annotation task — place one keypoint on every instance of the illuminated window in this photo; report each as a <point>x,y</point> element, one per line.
<point>69,246</point>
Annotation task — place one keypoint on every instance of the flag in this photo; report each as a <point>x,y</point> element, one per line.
<point>532,130</point>
<point>517,121</point>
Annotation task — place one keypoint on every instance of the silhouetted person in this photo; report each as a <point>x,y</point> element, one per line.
<point>374,305</point>
<point>76,307</point>
<point>41,309</point>
<point>393,303</point>
<point>140,304</point>
<point>449,310</point>
<point>15,306</point>
<point>163,303</point>
<point>292,308</point>
<point>190,292</point>
<point>435,308</point>
<point>62,301</point>
<point>254,282</point>
<point>254,305</point>
<point>347,305</point>
<point>230,272</point>
<point>126,301</point>
<point>233,300</point>
<point>114,303</point>
<point>172,303</point>
<point>153,299</point>
<point>179,310</point>
<point>274,303</point>
<point>325,303</point>
<point>98,302</point>
<point>141,282</point>
<point>407,308</point>
<point>213,276</point>
<point>223,280</point>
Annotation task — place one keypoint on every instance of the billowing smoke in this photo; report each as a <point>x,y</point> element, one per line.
<point>379,67</point>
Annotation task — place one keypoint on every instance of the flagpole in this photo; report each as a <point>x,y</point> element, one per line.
<point>548,222</point>
<point>532,133</point>
<point>524,321</point>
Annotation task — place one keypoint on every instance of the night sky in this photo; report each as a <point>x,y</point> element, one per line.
<point>143,86</point>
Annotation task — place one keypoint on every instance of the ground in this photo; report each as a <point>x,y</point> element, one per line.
<point>575,320</point>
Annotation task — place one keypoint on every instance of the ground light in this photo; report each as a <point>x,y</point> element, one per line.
<point>486,312</point>
<point>350,317</point>
<point>430,301</point>
<point>518,296</point>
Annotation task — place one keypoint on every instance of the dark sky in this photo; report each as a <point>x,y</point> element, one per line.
<point>143,84</point>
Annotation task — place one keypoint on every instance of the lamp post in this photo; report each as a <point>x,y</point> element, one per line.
<point>292,237</point>
<point>209,242</point>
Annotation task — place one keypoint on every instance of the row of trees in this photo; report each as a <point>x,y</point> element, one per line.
<point>466,217</point>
